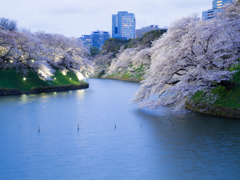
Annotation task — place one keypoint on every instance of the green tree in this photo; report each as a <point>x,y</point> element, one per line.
<point>94,51</point>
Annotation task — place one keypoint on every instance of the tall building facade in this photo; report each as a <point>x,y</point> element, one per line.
<point>217,7</point>
<point>98,38</point>
<point>219,4</point>
<point>123,25</point>
<point>115,26</point>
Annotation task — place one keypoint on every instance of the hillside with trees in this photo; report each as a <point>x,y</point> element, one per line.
<point>41,53</point>
<point>125,58</point>
<point>193,56</point>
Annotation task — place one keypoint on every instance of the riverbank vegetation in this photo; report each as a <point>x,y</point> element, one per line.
<point>42,53</point>
<point>193,56</point>
<point>222,95</point>
<point>42,59</point>
<point>222,100</point>
<point>125,59</point>
<point>11,79</point>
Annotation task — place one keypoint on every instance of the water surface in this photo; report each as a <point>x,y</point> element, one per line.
<point>144,145</point>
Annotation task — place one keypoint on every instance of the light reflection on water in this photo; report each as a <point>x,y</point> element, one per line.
<point>166,146</point>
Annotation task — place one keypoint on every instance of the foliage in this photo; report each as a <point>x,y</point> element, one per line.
<point>132,62</point>
<point>101,63</point>
<point>133,43</point>
<point>42,53</point>
<point>94,51</point>
<point>190,57</point>
<point>146,40</point>
<point>11,79</point>
<point>121,58</point>
<point>8,24</point>
<point>226,96</point>
<point>113,45</point>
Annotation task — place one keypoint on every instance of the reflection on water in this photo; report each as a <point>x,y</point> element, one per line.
<point>145,144</point>
<point>80,94</point>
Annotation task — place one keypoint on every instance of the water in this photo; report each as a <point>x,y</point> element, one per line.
<point>167,146</point>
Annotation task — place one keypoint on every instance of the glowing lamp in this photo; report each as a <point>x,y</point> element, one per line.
<point>24,79</point>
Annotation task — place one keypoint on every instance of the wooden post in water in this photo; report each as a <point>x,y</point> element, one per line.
<point>115,126</point>
<point>78,127</point>
<point>141,125</point>
<point>38,128</point>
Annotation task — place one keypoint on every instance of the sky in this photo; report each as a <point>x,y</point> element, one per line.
<point>74,18</point>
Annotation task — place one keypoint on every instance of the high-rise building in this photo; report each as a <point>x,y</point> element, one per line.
<point>86,40</point>
<point>219,4</point>
<point>217,7</point>
<point>123,25</point>
<point>98,38</point>
<point>114,26</point>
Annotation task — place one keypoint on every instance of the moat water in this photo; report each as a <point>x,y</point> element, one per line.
<point>145,144</point>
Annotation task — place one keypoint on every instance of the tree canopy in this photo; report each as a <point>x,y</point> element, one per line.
<point>43,53</point>
<point>94,51</point>
<point>193,55</point>
<point>8,24</point>
<point>113,44</point>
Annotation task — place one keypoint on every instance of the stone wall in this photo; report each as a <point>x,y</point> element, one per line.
<point>36,90</point>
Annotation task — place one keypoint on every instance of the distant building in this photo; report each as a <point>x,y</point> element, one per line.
<point>98,38</point>
<point>115,26</point>
<point>123,25</point>
<point>217,7</point>
<point>143,30</point>
<point>211,13</point>
<point>86,40</point>
<point>219,4</point>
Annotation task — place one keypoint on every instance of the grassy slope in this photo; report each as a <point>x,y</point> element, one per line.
<point>127,76</point>
<point>226,97</point>
<point>10,79</point>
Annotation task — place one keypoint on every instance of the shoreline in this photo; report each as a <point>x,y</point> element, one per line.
<point>47,89</point>
<point>122,79</point>
<point>209,109</point>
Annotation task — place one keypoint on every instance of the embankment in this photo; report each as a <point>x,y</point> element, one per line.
<point>221,101</point>
<point>209,109</point>
<point>37,90</point>
<point>121,78</point>
<point>14,83</point>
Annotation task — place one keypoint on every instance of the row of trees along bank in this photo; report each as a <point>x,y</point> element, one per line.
<point>41,53</point>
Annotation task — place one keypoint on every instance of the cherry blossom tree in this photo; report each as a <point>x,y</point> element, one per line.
<point>192,56</point>
<point>125,59</point>
<point>66,53</point>
<point>43,53</point>
<point>128,61</point>
<point>8,24</point>
<point>101,63</point>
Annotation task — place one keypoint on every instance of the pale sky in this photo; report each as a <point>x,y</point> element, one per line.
<point>74,18</point>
